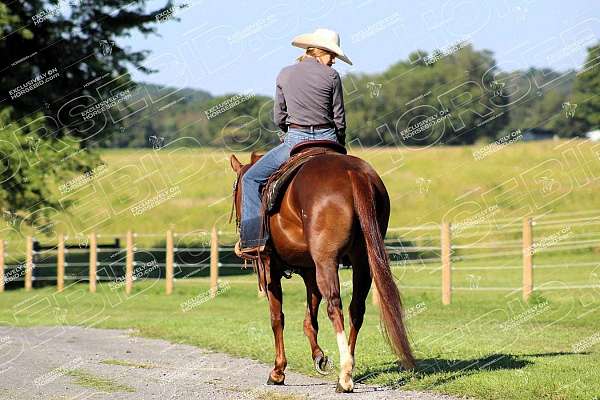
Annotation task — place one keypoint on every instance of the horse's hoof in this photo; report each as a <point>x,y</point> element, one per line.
<point>323,365</point>
<point>271,381</point>
<point>340,389</point>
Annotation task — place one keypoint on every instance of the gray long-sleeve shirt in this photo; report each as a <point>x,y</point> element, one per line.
<point>309,93</point>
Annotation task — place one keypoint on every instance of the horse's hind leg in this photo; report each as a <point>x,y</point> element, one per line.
<point>275,295</point>
<point>361,283</point>
<point>311,323</point>
<point>329,285</point>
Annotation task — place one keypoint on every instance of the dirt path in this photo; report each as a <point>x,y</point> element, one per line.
<point>79,363</point>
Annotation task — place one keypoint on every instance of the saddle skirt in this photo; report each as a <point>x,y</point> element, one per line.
<point>275,187</point>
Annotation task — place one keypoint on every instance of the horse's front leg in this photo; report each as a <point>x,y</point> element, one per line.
<point>275,296</point>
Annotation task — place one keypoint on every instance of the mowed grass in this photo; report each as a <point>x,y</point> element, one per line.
<point>487,345</point>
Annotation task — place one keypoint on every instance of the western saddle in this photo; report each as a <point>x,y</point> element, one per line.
<point>274,189</point>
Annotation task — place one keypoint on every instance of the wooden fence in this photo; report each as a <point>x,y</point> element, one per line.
<point>93,262</point>
<point>445,251</point>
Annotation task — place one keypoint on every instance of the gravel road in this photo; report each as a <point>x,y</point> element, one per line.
<point>84,363</point>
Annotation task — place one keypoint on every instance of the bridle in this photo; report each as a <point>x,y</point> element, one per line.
<point>235,190</point>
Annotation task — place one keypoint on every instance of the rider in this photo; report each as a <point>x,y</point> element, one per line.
<point>309,105</point>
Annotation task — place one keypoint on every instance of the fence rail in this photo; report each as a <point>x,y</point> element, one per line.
<point>443,255</point>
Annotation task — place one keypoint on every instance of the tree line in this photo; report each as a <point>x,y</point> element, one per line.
<point>460,98</point>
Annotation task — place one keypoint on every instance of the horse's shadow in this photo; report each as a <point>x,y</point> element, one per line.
<point>438,371</point>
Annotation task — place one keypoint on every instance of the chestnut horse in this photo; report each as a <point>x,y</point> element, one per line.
<point>335,206</point>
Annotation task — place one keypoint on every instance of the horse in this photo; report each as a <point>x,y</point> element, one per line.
<point>335,206</point>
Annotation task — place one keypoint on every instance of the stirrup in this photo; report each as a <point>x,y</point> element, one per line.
<point>248,253</point>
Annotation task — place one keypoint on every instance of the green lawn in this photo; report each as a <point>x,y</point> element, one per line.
<point>487,345</point>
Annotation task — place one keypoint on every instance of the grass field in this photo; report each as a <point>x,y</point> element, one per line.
<point>425,186</point>
<point>487,344</point>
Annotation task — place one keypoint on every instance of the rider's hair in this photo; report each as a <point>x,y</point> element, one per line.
<point>314,52</point>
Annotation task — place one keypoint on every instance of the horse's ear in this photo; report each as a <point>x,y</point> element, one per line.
<point>236,165</point>
<point>254,157</point>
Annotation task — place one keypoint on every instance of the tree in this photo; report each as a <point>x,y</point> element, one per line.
<point>32,168</point>
<point>61,69</point>
<point>586,94</point>
<point>537,98</point>
<point>62,53</point>
<point>428,99</point>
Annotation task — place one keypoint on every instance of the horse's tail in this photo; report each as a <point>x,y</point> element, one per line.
<point>390,304</point>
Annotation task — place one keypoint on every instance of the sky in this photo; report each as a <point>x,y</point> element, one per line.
<point>240,46</point>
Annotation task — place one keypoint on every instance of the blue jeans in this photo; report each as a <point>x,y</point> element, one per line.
<point>258,174</point>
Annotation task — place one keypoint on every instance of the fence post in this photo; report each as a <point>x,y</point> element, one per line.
<point>214,262</point>
<point>169,263</point>
<point>446,264</point>
<point>1,265</point>
<point>29,263</point>
<point>129,263</point>
<point>527,258</point>
<point>93,262</point>
<point>60,263</point>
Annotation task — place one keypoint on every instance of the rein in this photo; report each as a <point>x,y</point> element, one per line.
<point>237,218</point>
<point>257,263</point>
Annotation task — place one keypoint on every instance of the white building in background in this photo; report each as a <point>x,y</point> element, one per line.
<point>593,135</point>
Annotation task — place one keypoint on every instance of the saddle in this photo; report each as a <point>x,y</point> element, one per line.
<point>274,189</point>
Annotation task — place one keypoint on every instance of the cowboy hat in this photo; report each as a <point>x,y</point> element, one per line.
<point>321,38</point>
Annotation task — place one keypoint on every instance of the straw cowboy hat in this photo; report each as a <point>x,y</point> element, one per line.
<point>321,38</point>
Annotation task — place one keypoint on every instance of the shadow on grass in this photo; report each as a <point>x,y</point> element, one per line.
<point>438,371</point>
